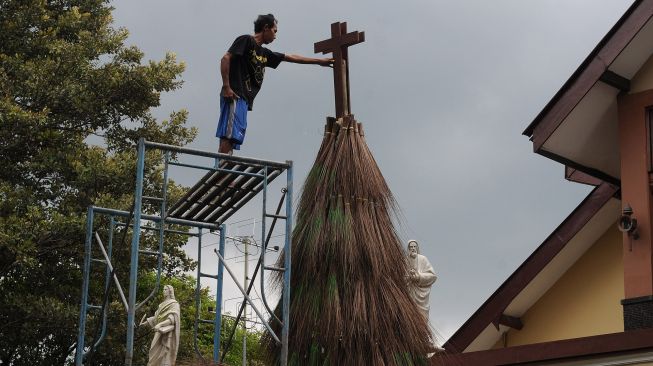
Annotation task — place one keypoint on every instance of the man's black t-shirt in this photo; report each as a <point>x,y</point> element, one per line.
<point>247,67</point>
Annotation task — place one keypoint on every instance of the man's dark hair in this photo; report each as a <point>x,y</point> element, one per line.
<point>262,21</point>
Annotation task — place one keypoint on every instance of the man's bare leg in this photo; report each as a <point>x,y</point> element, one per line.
<point>226,147</point>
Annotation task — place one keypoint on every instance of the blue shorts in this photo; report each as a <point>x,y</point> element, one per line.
<point>233,120</point>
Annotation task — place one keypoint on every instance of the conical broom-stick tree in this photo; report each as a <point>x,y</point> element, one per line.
<point>349,296</point>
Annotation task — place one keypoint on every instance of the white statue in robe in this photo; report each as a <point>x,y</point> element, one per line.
<point>421,277</point>
<point>165,322</point>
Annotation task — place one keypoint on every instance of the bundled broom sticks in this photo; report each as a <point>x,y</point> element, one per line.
<point>349,295</point>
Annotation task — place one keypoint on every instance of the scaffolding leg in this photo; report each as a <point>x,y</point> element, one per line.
<point>107,283</point>
<point>133,271</point>
<point>286,274</point>
<point>107,279</point>
<point>79,352</point>
<point>161,225</point>
<point>218,299</point>
<point>198,288</point>
<point>217,320</point>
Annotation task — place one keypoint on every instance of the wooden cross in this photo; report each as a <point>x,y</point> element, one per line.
<point>338,44</point>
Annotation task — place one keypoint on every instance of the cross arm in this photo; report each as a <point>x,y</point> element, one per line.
<point>330,45</point>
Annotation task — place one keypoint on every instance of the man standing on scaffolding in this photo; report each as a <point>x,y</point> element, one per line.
<point>242,69</point>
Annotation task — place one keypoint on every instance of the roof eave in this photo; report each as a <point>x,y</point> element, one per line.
<point>567,349</point>
<point>587,74</point>
<point>528,270</point>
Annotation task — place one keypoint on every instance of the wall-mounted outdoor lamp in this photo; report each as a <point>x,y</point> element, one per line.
<point>627,223</point>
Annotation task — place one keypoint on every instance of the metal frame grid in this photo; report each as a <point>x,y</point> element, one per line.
<point>228,186</point>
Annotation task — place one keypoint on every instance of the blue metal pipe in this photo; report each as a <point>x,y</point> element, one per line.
<point>287,266</point>
<point>107,278</point>
<point>150,228</point>
<point>161,228</point>
<point>164,195</point>
<point>198,303</point>
<point>79,352</point>
<point>133,271</point>
<point>262,257</point>
<point>218,169</point>
<point>218,299</point>
<point>171,220</point>
<point>208,154</point>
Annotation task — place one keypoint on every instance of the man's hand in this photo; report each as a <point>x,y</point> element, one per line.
<point>228,93</point>
<point>326,62</point>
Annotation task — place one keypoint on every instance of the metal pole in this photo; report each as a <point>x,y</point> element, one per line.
<point>107,278</point>
<point>198,288</point>
<point>246,242</point>
<point>286,274</point>
<point>215,169</point>
<point>161,222</point>
<point>79,352</point>
<point>265,243</point>
<point>218,299</point>
<point>209,154</point>
<point>133,271</point>
<point>171,220</point>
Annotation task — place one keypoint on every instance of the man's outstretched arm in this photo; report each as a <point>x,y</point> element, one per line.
<point>308,60</point>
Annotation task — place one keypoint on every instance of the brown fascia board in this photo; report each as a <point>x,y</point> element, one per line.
<point>601,176</point>
<point>495,305</point>
<point>575,175</point>
<point>568,349</point>
<point>589,72</point>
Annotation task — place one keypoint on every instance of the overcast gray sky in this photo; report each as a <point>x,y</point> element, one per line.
<point>444,89</point>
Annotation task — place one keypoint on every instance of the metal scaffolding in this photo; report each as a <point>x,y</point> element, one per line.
<point>229,184</point>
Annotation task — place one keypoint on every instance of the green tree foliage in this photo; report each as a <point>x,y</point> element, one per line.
<point>255,353</point>
<point>74,99</point>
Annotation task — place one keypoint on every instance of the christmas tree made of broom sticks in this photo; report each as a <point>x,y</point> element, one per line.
<point>349,295</point>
